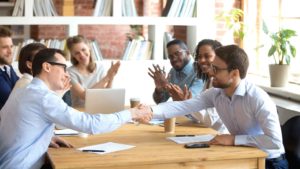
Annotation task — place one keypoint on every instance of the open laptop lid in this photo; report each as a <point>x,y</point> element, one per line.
<point>107,100</point>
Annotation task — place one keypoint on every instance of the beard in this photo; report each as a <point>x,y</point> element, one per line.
<point>185,62</point>
<point>222,85</point>
<point>4,61</point>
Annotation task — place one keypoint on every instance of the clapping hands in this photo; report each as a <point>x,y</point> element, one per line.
<point>159,76</point>
<point>177,94</point>
<point>113,70</point>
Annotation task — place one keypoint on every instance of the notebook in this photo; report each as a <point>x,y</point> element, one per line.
<point>108,100</point>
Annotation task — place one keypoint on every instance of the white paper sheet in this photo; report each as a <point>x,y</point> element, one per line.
<point>156,121</point>
<point>107,147</point>
<point>66,132</point>
<point>193,139</point>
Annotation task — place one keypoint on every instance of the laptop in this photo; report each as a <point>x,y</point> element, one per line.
<point>105,101</point>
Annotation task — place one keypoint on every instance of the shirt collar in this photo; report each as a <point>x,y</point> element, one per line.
<point>7,67</point>
<point>241,89</point>
<point>188,67</point>
<point>39,82</point>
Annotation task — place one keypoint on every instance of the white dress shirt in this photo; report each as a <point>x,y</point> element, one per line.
<point>250,115</point>
<point>27,122</point>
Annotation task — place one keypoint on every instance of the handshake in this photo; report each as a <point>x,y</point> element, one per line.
<point>141,113</point>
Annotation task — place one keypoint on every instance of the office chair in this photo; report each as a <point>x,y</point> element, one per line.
<point>291,141</point>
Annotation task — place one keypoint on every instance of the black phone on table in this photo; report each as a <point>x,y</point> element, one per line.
<point>196,145</point>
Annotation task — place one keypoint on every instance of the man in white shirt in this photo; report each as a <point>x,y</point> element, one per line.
<point>246,110</point>
<point>28,117</point>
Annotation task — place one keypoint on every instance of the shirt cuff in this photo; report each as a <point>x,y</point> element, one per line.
<point>157,114</point>
<point>240,140</point>
<point>125,116</point>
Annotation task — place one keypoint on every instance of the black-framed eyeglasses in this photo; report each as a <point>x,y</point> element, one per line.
<point>176,54</point>
<point>216,69</point>
<point>59,64</point>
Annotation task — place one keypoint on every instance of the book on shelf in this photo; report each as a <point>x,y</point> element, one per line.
<point>138,50</point>
<point>19,8</point>
<point>49,43</point>
<point>40,8</point>
<point>44,8</point>
<point>96,52</point>
<point>128,8</point>
<point>103,8</point>
<point>167,8</point>
<point>167,38</point>
<point>180,8</point>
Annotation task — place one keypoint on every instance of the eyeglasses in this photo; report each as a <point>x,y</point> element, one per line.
<point>176,54</point>
<point>216,69</point>
<point>59,64</point>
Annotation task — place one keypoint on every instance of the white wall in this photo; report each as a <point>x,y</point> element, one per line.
<point>133,76</point>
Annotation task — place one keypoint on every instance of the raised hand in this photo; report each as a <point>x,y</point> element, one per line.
<point>57,142</point>
<point>141,113</point>
<point>177,94</point>
<point>67,86</point>
<point>113,70</point>
<point>159,76</point>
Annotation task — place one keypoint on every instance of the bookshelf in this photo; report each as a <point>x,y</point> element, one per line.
<point>199,27</point>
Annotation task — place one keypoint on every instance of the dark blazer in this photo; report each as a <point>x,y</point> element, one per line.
<point>6,85</point>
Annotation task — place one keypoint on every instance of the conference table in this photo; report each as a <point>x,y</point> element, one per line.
<point>154,151</point>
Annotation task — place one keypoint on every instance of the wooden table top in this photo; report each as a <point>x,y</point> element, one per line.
<point>152,147</point>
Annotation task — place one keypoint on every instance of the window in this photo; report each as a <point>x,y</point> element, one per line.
<point>286,16</point>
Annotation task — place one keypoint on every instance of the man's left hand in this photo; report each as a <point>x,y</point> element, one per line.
<point>225,139</point>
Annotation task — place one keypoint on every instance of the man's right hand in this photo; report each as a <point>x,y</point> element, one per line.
<point>141,114</point>
<point>159,76</point>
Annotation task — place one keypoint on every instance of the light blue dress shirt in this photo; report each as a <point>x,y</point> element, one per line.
<point>27,123</point>
<point>250,115</point>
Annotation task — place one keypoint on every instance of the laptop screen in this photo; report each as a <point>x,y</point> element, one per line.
<point>108,100</point>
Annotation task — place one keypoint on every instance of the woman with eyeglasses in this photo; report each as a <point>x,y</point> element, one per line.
<point>85,72</point>
<point>204,55</point>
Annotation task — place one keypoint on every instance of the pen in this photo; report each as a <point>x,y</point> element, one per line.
<point>184,135</point>
<point>99,151</point>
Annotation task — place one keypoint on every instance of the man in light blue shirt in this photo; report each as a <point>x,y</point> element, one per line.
<point>246,110</point>
<point>27,119</point>
<point>182,74</point>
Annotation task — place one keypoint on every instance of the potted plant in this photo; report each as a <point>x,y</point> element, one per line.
<point>281,50</point>
<point>234,22</point>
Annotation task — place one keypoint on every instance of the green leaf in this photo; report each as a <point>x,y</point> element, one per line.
<point>293,50</point>
<point>272,50</point>
<point>265,28</point>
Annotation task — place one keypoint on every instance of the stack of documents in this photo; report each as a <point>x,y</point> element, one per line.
<point>184,139</point>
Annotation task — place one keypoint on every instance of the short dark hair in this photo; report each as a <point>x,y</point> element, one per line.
<point>78,39</point>
<point>27,54</point>
<point>178,42</point>
<point>44,55</point>
<point>4,32</point>
<point>235,58</point>
<point>213,43</point>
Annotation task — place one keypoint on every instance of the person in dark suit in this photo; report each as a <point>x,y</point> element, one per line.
<point>8,76</point>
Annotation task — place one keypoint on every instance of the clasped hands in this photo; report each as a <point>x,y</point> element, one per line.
<point>141,113</point>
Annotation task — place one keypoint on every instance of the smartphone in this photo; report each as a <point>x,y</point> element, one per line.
<point>196,145</point>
